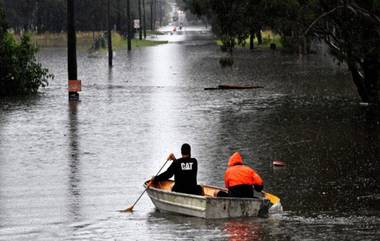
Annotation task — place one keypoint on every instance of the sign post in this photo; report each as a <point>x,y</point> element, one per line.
<point>74,86</point>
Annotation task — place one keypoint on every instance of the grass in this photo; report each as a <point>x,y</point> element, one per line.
<point>268,38</point>
<point>85,40</point>
<point>150,32</point>
<point>118,42</point>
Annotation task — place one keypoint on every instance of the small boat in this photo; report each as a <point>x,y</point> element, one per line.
<point>209,206</point>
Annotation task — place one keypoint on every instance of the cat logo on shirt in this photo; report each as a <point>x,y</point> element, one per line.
<point>187,166</point>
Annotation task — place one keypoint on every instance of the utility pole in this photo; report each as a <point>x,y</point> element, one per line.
<point>74,83</point>
<point>140,29</point>
<point>144,22</point>
<point>129,26</point>
<point>109,34</point>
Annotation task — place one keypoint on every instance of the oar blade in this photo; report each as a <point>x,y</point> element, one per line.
<point>272,198</point>
<point>128,210</point>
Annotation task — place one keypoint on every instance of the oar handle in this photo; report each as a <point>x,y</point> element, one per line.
<point>162,167</point>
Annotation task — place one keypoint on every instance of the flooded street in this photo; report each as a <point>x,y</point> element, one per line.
<point>66,169</point>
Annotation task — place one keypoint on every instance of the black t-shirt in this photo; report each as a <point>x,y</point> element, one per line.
<point>185,175</point>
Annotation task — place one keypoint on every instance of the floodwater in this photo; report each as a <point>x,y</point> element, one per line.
<point>66,169</point>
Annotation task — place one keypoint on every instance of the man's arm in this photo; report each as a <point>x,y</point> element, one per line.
<point>258,182</point>
<point>165,175</point>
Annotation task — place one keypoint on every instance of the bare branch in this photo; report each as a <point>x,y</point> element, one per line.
<point>320,17</point>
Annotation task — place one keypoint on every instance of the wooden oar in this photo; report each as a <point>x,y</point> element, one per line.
<point>130,209</point>
<point>272,198</point>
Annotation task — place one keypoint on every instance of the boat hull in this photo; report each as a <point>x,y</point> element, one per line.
<point>207,206</point>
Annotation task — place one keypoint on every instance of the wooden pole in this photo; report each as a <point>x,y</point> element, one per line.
<point>71,48</point>
<point>129,25</point>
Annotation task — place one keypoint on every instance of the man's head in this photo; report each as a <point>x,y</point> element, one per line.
<point>186,150</point>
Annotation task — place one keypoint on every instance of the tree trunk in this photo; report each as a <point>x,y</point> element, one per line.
<point>155,14</point>
<point>71,46</point>
<point>39,17</point>
<point>140,29</point>
<point>109,34</point>
<point>161,12</point>
<point>144,19</point>
<point>371,68</point>
<point>259,37</point>
<point>358,80</point>
<point>251,40</point>
<point>118,18</point>
<point>129,25</point>
<point>151,15</point>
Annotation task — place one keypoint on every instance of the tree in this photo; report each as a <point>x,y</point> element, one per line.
<point>20,74</point>
<point>352,31</point>
<point>351,28</point>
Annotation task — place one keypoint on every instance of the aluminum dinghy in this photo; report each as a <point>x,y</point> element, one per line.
<point>208,206</point>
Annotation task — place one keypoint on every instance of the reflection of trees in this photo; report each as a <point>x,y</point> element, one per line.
<point>74,158</point>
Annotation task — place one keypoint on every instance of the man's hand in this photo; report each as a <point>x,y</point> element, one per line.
<point>152,181</point>
<point>171,157</point>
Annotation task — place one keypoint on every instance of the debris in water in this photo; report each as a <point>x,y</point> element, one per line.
<point>234,87</point>
<point>278,163</point>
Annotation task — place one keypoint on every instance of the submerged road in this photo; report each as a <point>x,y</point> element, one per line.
<point>66,169</point>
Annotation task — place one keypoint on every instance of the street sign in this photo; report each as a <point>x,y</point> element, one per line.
<point>75,86</point>
<point>136,23</point>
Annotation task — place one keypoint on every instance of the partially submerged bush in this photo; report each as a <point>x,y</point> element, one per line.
<point>99,43</point>
<point>20,74</point>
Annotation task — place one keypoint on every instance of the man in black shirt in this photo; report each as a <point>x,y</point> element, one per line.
<point>185,172</point>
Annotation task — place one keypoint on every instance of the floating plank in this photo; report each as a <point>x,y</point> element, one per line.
<point>234,87</point>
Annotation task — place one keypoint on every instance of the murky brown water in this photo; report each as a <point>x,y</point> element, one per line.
<point>66,170</point>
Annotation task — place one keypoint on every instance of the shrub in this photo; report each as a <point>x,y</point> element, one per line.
<point>20,74</point>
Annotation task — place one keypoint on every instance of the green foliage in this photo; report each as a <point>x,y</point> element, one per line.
<point>20,74</point>
<point>350,28</point>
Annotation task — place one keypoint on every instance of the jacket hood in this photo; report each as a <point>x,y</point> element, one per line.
<point>235,159</point>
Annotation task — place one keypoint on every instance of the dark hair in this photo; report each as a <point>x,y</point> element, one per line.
<point>185,149</point>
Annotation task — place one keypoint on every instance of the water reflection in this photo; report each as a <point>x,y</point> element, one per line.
<point>243,230</point>
<point>129,117</point>
<point>74,194</point>
<point>110,86</point>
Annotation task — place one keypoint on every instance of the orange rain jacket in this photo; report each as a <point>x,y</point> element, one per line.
<point>239,174</point>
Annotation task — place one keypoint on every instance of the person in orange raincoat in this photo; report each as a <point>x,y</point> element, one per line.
<point>240,179</point>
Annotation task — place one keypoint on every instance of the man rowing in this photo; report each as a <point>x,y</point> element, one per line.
<point>184,170</point>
